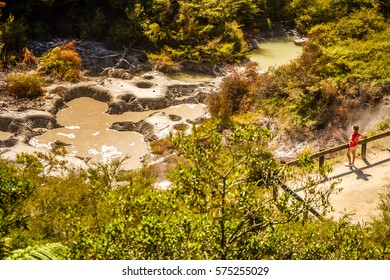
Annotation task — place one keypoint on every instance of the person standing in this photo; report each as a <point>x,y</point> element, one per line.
<point>352,145</point>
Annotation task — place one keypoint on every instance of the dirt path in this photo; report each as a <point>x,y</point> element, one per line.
<point>362,185</point>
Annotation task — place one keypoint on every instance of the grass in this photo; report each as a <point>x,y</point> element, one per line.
<point>25,84</point>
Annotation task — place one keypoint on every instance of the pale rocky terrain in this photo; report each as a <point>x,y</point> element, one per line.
<point>26,118</point>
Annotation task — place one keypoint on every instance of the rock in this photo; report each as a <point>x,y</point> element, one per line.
<point>61,143</point>
<point>300,41</point>
<point>253,44</point>
<point>142,127</point>
<point>116,73</point>
<point>174,118</point>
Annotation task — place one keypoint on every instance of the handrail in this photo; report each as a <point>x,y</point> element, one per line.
<point>363,142</point>
<point>286,189</point>
<point>321,156</point>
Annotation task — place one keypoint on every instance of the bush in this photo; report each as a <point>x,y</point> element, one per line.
<point>230,98</point>
<point>164,63</point>
<point>29,58</point>
<point>12,38</point>
<point>161,146</point>
<point>381,225</point>
<point>15,189</point>
<point>25,84</point>
<point>13,34</point>
<point>64,62</point>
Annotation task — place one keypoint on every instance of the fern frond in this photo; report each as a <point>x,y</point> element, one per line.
<point>50,251</point>
<point>5,247</point>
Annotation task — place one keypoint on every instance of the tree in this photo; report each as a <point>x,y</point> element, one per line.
<point>230,184</point>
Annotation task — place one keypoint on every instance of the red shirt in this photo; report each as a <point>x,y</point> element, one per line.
<point>354,139</point>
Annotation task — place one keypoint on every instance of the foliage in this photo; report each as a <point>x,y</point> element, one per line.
<point>51,251</point>
<point>161,146</point>
<point>234,87</point>
<point>202,30</point>
<point>163,62</point>
<point>226,200</point>
<point>135,223</point>
<point>12,37</point>
<point>29,58</point>
<point>63,62</point>
<point>308,13</point>
<point>25,84</point>
<point>367,31</point>
<point>328,240</point>
<point>230,182</point>
<point>381,225</point>
<point>227,44</point>
<point>14,190</point>
<point>344,68</point>
<point>216,208</point>
<point>384,125</point>
<point>223,204</point>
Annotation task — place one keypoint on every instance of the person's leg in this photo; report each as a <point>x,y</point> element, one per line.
<point>353,157</point>
<point>349,156</point>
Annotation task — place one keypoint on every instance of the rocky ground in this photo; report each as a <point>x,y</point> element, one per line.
<point>124,80</point>
<point>26,118</point>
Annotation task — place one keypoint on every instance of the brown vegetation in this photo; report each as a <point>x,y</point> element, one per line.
<point>63,62</point>
<point>25,84</point>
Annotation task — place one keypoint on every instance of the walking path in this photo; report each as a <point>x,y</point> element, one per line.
<point>363,184</point>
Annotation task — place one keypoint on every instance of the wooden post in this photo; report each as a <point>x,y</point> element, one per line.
<point>321,160</point>
<point>364,150</point>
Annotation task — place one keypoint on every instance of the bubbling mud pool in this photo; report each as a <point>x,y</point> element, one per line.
<point>5,135</point>
<point>86,130</point>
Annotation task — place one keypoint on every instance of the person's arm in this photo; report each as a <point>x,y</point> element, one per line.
<point>350,140</point>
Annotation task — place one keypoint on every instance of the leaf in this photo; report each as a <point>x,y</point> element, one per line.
<point>50,251</point>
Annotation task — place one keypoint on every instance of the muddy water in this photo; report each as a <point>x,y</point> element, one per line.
<point>86,131</point>
<point>275,52</point>
<point>5,135</point>
<point>272,52</point>
<point>190,77</point>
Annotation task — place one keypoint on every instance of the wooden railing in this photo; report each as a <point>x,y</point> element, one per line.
<point>363,142</point>
<point>321,156</point>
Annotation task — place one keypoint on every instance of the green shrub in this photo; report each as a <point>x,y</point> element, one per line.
<point>25,84</point>
<point>14,191</point>
<point>161,146</point>
<point>326,240</point>
<point>64,62</point>
<point>122,33</point>
<point>343,68</point>
<point>164,63</point>
<point>381,225</point>
<point>13,34</point>
<point>230,98</point>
